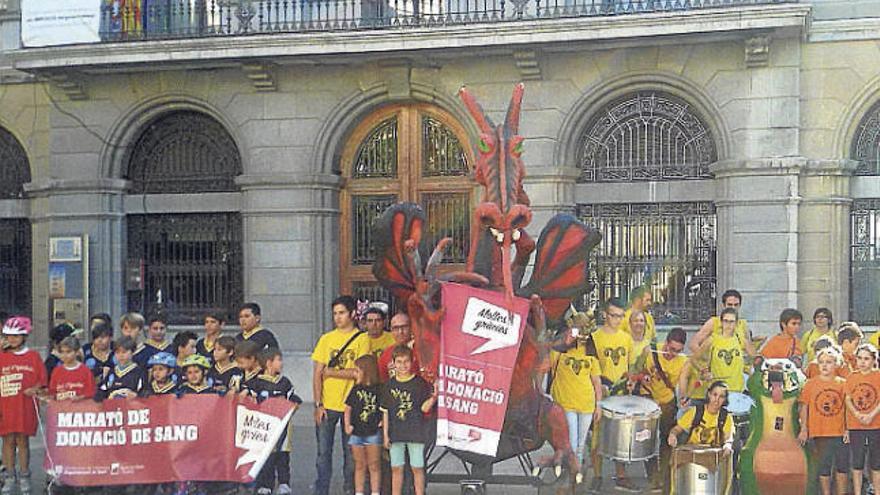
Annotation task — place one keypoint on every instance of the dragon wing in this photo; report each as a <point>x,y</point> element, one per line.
<point>561,262</point>
<point>398,233</point>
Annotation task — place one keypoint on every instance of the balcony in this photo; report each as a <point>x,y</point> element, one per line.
<point>222,33</point>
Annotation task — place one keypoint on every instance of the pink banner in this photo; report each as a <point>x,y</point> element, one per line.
<point>161,439</point>
<point>481,333</point>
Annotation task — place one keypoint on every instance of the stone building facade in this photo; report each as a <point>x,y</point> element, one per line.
<point>716,146</point>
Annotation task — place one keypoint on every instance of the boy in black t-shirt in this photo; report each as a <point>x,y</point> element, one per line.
<point>404,402</point>
<point>161,381</point>
<point>126,379</point>
<point>272,384</point>
<point>194,370</point>
<point>249,318</point>
<point>225,374</point>
<point>247,357</point>
<point>213,332</point>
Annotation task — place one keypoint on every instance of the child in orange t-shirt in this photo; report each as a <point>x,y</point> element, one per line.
<point>862,418</point>
<point>785,345</point>
<point>812,370</point>
<point>822,419</point>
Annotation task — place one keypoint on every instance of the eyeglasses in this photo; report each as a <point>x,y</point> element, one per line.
<point>398,328</point>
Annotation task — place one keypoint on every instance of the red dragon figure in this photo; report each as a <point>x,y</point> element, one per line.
<point>558,276</point>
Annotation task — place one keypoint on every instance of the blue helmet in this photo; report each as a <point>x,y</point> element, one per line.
<point>164,358</point>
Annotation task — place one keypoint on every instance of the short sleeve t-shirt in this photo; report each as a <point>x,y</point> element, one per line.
<point>380,343</point>
<point>403,400</point>
<point>864,391</point>
<point>705,433</point>
<point>781,346</point>
<point>615,352</point>
<point>572,385</point>
<point>826,409</point>
<point>660,392</point>
<point>386,365</point>
<point>335,390</point>
<point>19,371</point>
<point>726,362</point>
<point>261,336</point>
<point>365,415</point>
<point>72,383</point>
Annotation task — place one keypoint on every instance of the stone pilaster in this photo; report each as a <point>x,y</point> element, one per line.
<point>823,225</point>
<point>757,206</point>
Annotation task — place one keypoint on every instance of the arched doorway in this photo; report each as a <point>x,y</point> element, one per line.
<point>15,233</point>
<point>413,152</point>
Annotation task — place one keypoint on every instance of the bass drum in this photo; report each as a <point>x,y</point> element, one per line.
<point>700,470</point>
<point>629,429</point>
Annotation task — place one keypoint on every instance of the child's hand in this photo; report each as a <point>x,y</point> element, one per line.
<point>31,392</point>
<point>349,429</point>
<point>802,437</point>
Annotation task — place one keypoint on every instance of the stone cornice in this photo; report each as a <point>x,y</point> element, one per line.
<point>530,33</point>
<point>76,186</point>
<point>830,167</point>
<point>289,181</point>
<point>789,165</point>
<point>845,30</point>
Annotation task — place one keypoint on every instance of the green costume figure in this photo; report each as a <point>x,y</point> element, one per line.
<point>772,462</point>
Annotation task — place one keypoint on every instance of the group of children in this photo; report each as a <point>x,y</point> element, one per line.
<point>107,369</point>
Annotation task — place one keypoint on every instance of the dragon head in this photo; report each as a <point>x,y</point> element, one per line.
<point>504,208</point>
<point>776,378</point>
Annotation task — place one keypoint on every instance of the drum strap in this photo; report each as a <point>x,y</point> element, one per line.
<point>660,372</point>
<point>722,418</point>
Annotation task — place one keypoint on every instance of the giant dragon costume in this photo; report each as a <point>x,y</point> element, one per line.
<point>500,250</point>
<point>772,462</point>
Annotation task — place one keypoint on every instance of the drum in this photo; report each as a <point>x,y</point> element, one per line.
<point>700,470</point>
<point>629,430</point>
<point>740,406</point>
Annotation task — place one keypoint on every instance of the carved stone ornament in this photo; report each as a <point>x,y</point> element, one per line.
<point>757,51</point>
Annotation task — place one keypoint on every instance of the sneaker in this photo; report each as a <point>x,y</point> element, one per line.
<point>626,485</point>
<point>24,483</point>
<point>8,485</point>
<point>596,485</point>
<point>264,491</point>
<point>283,489</point>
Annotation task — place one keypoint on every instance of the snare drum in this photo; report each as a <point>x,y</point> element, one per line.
<point>700,470</point>
<point>740,406</point>
<point>629,430</point>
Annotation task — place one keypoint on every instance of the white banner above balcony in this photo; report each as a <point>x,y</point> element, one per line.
<point>46,23</point>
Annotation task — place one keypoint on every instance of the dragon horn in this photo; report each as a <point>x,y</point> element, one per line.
<point>511,122</point>
<point>476,111</point>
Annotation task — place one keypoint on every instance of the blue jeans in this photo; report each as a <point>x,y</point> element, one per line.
<point>324,433</point>
<point>578,427</point>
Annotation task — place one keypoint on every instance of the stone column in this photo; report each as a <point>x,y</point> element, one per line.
<point>71,207</point>
<point>291,251</point>
<point>757,207</point>
<point>823,223</point>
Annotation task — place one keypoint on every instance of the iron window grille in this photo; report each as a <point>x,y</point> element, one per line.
<point>864,271</point>
<point>646,136</point>
<point>668,246</point>
<point>866,145</point>
<point>15,266</point>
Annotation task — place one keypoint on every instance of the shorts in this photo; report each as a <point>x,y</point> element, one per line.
<point>416,454</point>
<point>831,452</point>
<point>859,441</point>
<point>356,441</point>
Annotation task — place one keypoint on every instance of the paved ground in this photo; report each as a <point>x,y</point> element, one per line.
<point>303,467</point>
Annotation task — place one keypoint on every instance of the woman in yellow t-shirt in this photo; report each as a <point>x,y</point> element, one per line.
<point>638,331</point>
<point>726,360</point>
<point>706,431</point>
<point>577,388</point>
<point>822,321</point>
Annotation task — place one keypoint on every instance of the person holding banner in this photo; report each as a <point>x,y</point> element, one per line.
<point>71,380</point>
<point>615,351</point>
<point>23,376</point>
<point>333,377</point>
<point>161,368</point>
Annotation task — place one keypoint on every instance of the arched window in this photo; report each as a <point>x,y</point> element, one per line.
<point>646,136</point>
<point>15,171</point>
<point>191,263</point>
<point>184,152</point>
<point>866,145</point>
<point>403,153</point>
<point>15,233</point>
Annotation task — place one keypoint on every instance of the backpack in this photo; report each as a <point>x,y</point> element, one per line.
<point>722,418</point>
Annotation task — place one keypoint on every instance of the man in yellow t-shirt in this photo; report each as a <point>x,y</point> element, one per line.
<point>641,300</point>
<point>660,376</point>
<point>379,338</point>
<point>712,327</point>
<point>334,375</point>
<point>577,388</point>
<point>615,350</point>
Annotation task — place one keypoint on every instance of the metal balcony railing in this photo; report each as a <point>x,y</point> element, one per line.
<point>158,19</point>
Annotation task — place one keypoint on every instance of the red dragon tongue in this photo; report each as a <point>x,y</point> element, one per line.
<point>776,392</point>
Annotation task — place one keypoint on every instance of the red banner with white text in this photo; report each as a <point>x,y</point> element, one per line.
<point>162,439</point>
<point>481,334</point>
